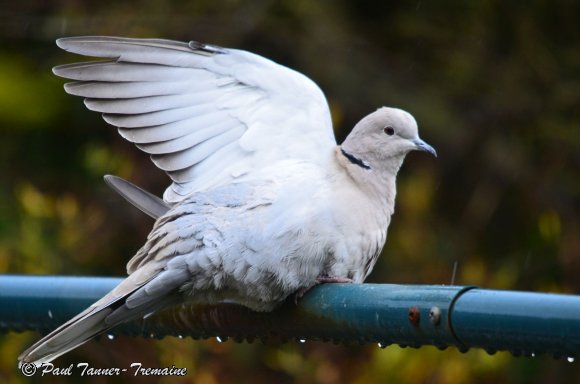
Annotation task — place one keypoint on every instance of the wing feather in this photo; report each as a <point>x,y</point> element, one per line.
<point>136,89</point>
<point>158,117</point>
<point>189,140</point>
<point>147,104</point>
<point>207,115</point>
<point>115,71</point>
<point>191,156</point>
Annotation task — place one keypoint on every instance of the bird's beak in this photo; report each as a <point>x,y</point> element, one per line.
<point>420,145</point>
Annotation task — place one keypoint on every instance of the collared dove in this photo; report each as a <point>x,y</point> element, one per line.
<point>263,202</point>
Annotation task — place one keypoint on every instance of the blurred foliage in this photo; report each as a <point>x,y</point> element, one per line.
<point>494,85</point>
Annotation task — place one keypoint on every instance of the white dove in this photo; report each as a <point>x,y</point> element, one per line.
<point>263,203</point>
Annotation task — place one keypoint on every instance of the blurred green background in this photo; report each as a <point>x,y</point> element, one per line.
<point>494,85</point>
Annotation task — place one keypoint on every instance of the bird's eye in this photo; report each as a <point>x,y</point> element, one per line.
<point>389,130</point>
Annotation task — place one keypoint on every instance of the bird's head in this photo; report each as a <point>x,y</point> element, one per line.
<point>383,138</point>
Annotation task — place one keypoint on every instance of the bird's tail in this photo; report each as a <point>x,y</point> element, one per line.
<point>138,197</point>
<point>73,333</point>
<point>128,301</point>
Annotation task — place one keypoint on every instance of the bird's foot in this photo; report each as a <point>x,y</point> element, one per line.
<point>320,280</point>
<point>332,279</point>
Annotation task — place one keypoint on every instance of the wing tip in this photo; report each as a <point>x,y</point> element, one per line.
<point>67,42</point>
<point>63,42</point>
<point>206,49</point>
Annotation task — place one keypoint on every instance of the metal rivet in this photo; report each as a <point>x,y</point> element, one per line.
<point>435,315</point>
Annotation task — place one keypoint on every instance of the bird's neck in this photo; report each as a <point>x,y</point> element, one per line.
<point>354,160</point>
<point>376,180</point>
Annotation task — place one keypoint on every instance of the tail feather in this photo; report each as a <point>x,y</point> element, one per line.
<point>106,313</point>
<point>141,199</point>
<point>68,336</point>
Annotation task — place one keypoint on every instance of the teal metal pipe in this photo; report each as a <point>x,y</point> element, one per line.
<point>408,315</point>
<point>41,303</point>
<point>525,323</point>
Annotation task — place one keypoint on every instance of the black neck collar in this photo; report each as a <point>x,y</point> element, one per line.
<point>355,160</point>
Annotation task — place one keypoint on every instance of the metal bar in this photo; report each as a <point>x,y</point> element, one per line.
<point>409,315</point>
<point>525,323</point>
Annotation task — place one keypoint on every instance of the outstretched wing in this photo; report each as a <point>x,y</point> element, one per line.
<point>207,115</point>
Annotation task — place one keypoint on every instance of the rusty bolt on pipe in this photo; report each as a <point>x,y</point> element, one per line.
<point>414,316</point>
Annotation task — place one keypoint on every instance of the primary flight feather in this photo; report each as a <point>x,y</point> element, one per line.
<point>263,202</point>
